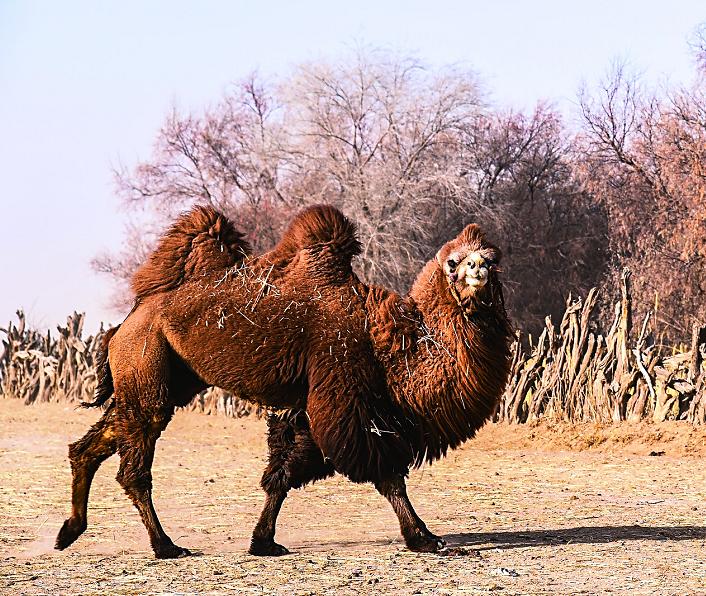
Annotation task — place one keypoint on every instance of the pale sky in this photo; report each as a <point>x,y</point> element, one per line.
<point>85,85</point>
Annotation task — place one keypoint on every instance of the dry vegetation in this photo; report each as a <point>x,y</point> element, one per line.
<point>609,519</point>
<point>574,373</point>
<point>36,368</point>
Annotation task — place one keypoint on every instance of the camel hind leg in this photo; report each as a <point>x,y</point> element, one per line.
<point>86,456</point>
<point>138,437</point>
<point>148,383</point>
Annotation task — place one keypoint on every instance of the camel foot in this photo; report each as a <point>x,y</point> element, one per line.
<point>171,551</point>
<point>266,548</point>
<point>426,543</point>
<point>71,530</point>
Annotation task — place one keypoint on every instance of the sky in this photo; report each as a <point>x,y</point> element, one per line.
<point>85,86</point>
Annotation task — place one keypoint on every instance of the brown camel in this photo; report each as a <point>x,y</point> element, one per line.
<point>361,381</point>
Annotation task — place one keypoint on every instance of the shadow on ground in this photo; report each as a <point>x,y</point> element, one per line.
<point>582,534</point>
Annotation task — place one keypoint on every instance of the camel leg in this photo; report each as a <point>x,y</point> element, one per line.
<point>294,461</point>
<point>138,436</point>
<point>414,531</point>
<point>263,542</point>
<point>86,456</point>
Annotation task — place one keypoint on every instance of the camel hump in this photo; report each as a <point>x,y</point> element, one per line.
<point>199,241</point>
<point>317,228</point>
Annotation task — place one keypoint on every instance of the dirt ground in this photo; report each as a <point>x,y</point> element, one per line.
<point>539,510</point>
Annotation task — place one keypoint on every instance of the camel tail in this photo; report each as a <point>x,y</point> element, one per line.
<point>104,389</point>
<point>319,227</point>
<point>199,241</point>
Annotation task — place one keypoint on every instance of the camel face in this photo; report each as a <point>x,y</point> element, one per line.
<point>471,270</point>
<point>467,262</point>
<point>468,275</point>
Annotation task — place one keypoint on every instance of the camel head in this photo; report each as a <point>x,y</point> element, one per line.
<point>469,263</point>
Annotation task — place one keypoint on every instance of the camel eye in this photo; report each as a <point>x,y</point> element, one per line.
<point>452,264</point>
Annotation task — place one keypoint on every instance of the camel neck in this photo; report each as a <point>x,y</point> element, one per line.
<point>450,377</point>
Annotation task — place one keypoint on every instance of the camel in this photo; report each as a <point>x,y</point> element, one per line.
<point>359,380</point>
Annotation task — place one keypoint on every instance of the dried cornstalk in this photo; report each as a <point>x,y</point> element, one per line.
<point>577,374</point>
<point>38,367</point>
<point>572,373</point>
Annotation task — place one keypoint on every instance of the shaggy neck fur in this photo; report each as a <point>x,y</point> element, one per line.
<point>448,368</point>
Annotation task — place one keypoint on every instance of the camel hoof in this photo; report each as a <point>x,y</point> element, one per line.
<point>71,530</point>
<point>266,548</point>
<point>171,551</point>
<point>429,543</point>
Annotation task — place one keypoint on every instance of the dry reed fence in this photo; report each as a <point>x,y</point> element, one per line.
<point>577,374</point>
<point>571,373</point>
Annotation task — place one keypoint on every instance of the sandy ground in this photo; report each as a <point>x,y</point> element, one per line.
<point>533,516</point>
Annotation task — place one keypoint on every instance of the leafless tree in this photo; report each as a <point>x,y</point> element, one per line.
<point>644,158</point>
<point>520,166</point>
<point>379,138</point>
<point>697,43</point>
<point>411,154</point>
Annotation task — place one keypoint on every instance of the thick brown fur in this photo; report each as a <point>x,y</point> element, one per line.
<point>320,227</point>
<point>104,387</point>
<point>368,382</point>
<point>200,242</point>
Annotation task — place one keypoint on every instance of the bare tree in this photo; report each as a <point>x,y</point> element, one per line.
<point>697,43</point>
<point>520,167</point>
<point>379,138</point>
<point>644,160</point>
<point>412,155</point>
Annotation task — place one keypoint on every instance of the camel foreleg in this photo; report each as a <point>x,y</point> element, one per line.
<point>294,460</point>
<point>414,531</point>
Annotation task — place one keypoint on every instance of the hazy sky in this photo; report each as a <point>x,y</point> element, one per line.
<point>84,85</point>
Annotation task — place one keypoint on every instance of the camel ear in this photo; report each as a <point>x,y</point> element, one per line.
<point>441,255</point>
<point>492,254</point>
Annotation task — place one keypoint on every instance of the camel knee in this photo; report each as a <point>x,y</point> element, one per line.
<point>93,448</point>
<point>135,480</point>
<point>136,446</point>
<point>391,487</point>
<point>135,471</point>
<point>274,480</point>
<point>78,450</point>
<point>294,458</point>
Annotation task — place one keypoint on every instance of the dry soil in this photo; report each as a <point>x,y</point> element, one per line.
<point>544,509</point>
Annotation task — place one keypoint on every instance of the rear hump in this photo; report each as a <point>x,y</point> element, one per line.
<point>199,241</point>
